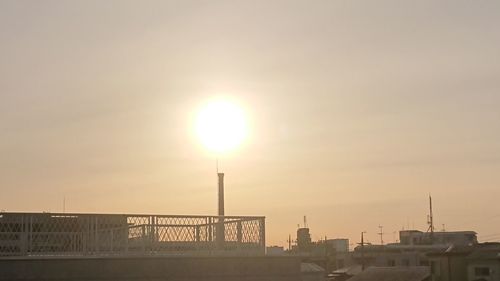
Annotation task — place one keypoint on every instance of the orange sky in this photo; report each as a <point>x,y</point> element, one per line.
<point>358,110</point>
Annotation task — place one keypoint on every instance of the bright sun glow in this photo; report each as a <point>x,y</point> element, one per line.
<point>221,126</point>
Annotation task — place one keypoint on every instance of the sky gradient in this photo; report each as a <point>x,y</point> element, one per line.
<point>358,110</point>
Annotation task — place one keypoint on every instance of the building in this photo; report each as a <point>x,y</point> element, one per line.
<point>303,239</point>
<point>449,264</point>
<point>417,273</point>
<point>340,245</point>
<point>483,264</point>
<point>392,255</point>
<point>480,262</point>
<point>413,248</point>
<point>330,254</point>
<point>459,238</point>
<point>275,251</point>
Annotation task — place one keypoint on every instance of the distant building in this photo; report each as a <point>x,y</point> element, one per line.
<point>480,262</point>
<point>413,248</point>
<point>458,238</point>
<point>340,245</point>
<point>418,273</point>
<point>303,239</point>
<point>275,251</point>
<point>330,254</point>
<point>392,255</point>
<point>484,264</point>
<point>449,264</point>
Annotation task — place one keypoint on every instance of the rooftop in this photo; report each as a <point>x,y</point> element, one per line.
<point>413,273</point>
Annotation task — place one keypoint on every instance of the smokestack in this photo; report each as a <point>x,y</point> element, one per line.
<point>220,235</point>
<point>221,193</point>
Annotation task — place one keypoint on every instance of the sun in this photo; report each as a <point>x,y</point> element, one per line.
<point>221,126</point>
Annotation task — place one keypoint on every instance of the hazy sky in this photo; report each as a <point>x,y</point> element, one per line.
<point>358,110</point>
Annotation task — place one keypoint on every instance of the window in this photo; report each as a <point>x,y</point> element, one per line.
<point>482,271</point>
<point>391,262</point>
<point>405,262</point>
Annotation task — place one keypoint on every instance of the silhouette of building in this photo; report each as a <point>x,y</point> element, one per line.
<point>414,273</point>
<point>303,239</point>
<point>415,237</point>
<point>479,262</point>
<point>341,245</point>
<point>275,251</point>
<point>449,264</point>
<point>483,264</point>
<point>413,248</point>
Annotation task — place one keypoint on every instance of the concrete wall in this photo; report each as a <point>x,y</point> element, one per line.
<point>494,268</point>
<point>449,268</point>
<point>151,269</point>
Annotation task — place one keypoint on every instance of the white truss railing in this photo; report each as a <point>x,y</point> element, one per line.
<point>49,234</point>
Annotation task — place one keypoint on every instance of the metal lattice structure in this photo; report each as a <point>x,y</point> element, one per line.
<point>56,234</point>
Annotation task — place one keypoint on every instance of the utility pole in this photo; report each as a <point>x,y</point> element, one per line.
<point>327,255</point>
<point>381,233</point>
<point>430,221</point>
<point>362,251</point>
<point>289,242</point>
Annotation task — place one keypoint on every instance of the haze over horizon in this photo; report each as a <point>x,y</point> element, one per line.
<point>357,111</point>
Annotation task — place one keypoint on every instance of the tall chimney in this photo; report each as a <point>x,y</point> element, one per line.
<point>221,193</point>
<point>220,235</point>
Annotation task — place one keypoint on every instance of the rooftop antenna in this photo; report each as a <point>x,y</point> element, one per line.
<point>430,220</point>
<point>64,204</point>
<point>305,222</point>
